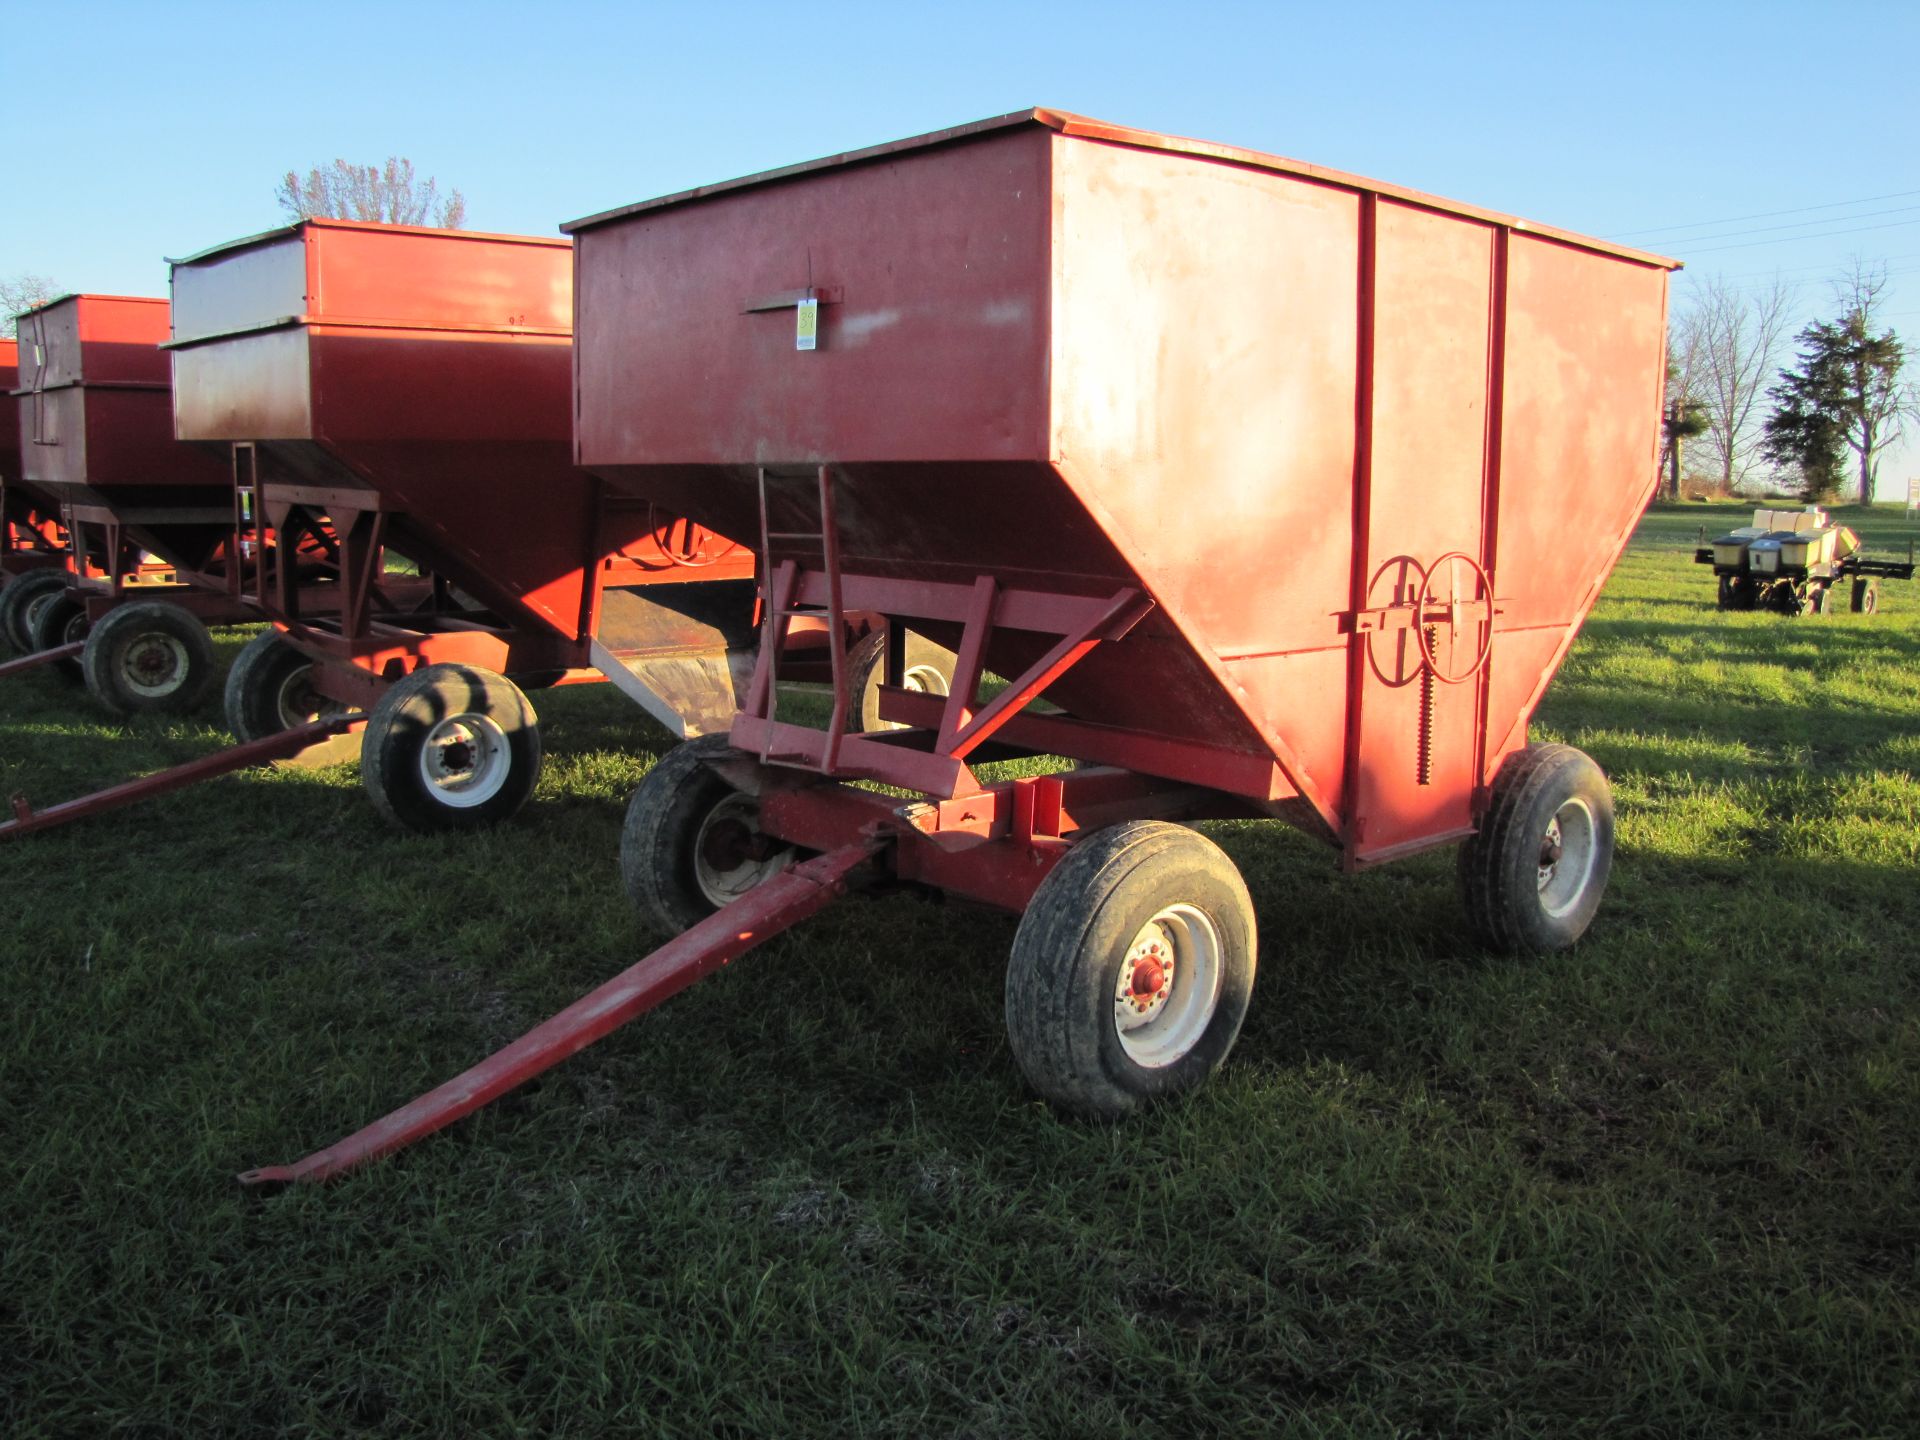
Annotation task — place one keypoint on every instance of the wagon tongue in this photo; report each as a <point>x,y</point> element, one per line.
<point>762,913</point>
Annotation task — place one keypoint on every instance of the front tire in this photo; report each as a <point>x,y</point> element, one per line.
<point>450,747</point>
<point>1132,969</point>
<point>148,658</point>
<point>1533,876</point>
<point>269,689</point>
<point>692,843</point>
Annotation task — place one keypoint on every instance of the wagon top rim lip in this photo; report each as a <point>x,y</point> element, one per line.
<point>1083,127</point>
<point>328,222</point>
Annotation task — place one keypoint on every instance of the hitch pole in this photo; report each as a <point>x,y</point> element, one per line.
<point>765,911</point>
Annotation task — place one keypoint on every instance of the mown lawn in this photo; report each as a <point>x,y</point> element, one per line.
<point>1662,1185</point>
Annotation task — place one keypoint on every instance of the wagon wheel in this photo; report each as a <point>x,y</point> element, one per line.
<point>1132,969</point>
<point>450,747</point>
<point>18,601</point>
<point>691,842</point>
<point>270,689</point>
<point>1533,875</point>
<point>56,618</point>
<point>1866,597</point>
<point>1820,600</point>
<point>148,658</point>
<point>928,671</point>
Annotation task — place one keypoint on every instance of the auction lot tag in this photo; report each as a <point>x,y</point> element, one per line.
<point>806,324</point>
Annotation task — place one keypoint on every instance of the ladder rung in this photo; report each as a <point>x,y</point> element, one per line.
<point>796,535</point>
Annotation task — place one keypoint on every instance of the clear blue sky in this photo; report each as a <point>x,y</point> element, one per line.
<point>138,131</point>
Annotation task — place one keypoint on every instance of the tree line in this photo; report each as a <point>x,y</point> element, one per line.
<point>1817,420</point>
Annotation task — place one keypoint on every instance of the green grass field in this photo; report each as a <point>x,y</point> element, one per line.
<point>1662,1185</point>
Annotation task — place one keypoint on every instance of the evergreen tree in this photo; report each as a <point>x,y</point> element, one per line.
<point>1845,394</point>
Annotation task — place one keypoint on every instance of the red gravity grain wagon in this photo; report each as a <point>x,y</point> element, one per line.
<point>1286,490</point>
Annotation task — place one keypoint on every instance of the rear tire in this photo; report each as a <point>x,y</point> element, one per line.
<point>269,689</point>
<point>148,658</point>
<point>691,842</point>
<point>1132,969</point>
<point>450,747</point>
<point>58,619</point>
<point>1866,597</point>
<point>1533,876</point>
<point>928,670</point>
<point>18,602</point>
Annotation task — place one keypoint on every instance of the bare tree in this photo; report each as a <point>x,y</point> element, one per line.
<point>388,193</point>
<point>23,292</point>
<point>1739,335</point>
<point>1877,401</point>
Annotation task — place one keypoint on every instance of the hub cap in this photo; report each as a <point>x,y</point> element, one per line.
<point>926,679</point>
<point>154,664</point>
<point>730,855</point>
<point>1169,986</point>
<point>1566,857</point>
<point>465,761</point>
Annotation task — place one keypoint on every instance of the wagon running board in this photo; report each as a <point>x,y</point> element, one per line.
<point>284,746</point>
<point>762,913</point>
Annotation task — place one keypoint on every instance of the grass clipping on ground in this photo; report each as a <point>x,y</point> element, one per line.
<point>1661,1185</point>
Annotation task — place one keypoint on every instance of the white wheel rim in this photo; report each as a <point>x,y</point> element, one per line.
<point>154,664</point>
<point>1169,986</point>
<point>465,761</point>
<point>722,867</point>
<point>296,702</point>
<point>925,679</point>
<point>1567,852</point>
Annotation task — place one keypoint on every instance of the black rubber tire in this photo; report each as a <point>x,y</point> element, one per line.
<point>150,642</point>
<point>1866,597</point>
<point>1746,594</point>
<point>393,750</point>
<point>1500,866</point>
<point>1726,592</point>
<point>867,667</point>
<point>1820,599</point>
<point>58,620</point>
<point>660,839</point>
<point>266,691</point>
<point>16,603</point>
<point>1069,952</point>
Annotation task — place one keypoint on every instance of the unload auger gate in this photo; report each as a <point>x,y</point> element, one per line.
<point>762,913</point>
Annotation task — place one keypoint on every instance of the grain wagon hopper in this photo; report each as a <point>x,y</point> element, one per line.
<point>1284,491</point>
<point>1792,560</point>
